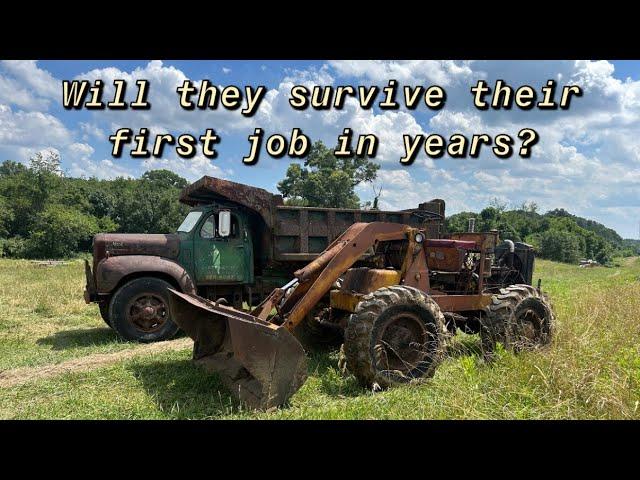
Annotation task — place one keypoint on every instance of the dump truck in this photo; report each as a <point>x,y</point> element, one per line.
<point>236,244</point>
<point>395,294</point>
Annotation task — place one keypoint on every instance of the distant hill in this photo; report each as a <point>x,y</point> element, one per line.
<point>557,234</point>
<point>604,232</point>
<point>632,243</point>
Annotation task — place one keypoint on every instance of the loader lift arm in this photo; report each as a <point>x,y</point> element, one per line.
<point>314,280</point>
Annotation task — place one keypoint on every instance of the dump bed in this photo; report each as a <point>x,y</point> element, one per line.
<point>288,233</point>
<point>303,232</point>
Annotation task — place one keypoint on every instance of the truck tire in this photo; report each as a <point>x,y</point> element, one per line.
<point>396,335</point>
<point>104,312</point>
<point>139,311</point>
<point>519,317</point>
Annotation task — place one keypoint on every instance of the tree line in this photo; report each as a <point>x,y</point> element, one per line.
<point>44,214</point>
<point>557,234</point>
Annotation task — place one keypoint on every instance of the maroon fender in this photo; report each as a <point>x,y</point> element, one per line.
<point>111,270</point>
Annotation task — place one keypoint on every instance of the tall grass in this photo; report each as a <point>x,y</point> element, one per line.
<point>591,370</point>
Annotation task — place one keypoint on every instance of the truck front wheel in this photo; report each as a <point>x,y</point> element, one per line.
<point>139,311</point>
<point>104,312</point>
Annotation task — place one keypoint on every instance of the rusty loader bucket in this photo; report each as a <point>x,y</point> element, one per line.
<point>261,363</point>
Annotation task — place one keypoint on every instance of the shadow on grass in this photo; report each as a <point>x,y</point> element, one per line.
<point>323,363</point>
<point>80,337</point>
<point>183,390</point>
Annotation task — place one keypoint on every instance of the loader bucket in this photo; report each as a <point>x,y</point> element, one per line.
<point>261,363</point>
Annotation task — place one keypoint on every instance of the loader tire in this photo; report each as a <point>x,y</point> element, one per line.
<point>396,335</point>
<point>519,317</point>
<point>139,311</point>
<point>313,336</point>
<point>104,312</point>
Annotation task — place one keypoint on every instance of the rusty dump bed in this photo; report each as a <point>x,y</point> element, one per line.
<point>301,233</point>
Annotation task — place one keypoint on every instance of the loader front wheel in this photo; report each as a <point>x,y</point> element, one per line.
<point>314,335</point>
<point>139,311</point>
<point>519,317</point>
<point>396,335</point>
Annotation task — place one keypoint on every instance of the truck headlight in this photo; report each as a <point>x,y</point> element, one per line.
<point>419,238</point>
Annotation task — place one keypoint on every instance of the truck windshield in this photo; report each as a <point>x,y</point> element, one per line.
<point>189,222</point>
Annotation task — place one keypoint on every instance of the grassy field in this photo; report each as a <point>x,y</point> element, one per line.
<point>592,369</point>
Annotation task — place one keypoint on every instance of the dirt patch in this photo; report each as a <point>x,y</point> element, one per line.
<point>19,376</point>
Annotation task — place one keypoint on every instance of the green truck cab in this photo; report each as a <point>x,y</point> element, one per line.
<point>216,247</point>
<point>236,244</point>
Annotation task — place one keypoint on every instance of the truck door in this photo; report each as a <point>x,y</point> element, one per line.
<point>218,259</point>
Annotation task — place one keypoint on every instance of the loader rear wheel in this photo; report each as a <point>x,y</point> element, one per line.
<point>139,311</point>
<point>396,335</point>
<point>519,317</point>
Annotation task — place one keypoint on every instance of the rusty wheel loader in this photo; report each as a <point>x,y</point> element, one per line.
<point>395,295</point>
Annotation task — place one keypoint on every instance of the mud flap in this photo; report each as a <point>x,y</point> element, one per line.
<point>261,363</point>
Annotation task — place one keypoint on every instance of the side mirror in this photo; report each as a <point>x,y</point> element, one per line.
<point>224,223</point>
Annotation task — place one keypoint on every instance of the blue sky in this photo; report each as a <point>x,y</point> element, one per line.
<point>587,160</point>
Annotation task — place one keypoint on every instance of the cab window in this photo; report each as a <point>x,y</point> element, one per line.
<point>209,227</point>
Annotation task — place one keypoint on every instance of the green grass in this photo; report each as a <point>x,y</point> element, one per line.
<point>592,369</point>
<point>43,316</point>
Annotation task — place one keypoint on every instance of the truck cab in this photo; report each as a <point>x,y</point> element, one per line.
<point>216,246</point>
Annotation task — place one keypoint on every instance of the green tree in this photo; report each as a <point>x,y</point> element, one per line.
<point>144,207</point>
<point>164,179</point>
<point>46,161</point>
<point>459,222</point>
<point>9,167</point>
<point>21,194</point>
<point>61,231</point>
<point>326,180</point>
<point>6,217</point>
<point>560,246</point>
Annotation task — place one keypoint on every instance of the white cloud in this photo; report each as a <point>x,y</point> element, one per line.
<point>165,113</point>
<point>441,72</point>
<point>24,85</point>
<point>13,93</point>
<point>91,131</point>
<point>102,169</point>
<point>34,130</point>
<point>226,70</point>
<point>28,73</point>
<point>189,168</point>
<point>79,155</point>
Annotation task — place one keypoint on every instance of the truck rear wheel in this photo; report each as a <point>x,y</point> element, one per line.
<point>519,317</point>
<point>395,335</point>
<point>139,311</point>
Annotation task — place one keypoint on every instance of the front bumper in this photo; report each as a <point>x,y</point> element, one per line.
<point>90,291</point>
